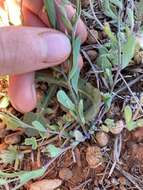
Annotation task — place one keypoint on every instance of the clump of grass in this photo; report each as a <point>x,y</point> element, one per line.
<point>80,100</point>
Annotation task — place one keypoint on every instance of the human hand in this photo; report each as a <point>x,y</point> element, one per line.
<point>27,49</point>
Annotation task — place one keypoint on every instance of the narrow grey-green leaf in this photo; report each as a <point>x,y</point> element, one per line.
<point>81,112</point>
<point>76,50</point>
<point>128,114</point>
<point>65,100</point>
<point>37,125</point>
<point>53,150</point>
<point>51,11</point>
<point>128,50</point>
<point>75,71</point>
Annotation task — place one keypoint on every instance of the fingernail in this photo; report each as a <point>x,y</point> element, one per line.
<point>56,47</point>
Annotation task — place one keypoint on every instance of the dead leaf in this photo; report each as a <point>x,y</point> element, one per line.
<point>12,139</point>
<point>3,146</point>
<point>46,184</point>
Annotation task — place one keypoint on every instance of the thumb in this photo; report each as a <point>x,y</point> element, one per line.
<point>26,49</point>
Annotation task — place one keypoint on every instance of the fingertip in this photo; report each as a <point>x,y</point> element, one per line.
<point>22,92</point>
<point>81,27</point>
<point>31,19</point>
<point>80,61</point>
<point>82,31</point>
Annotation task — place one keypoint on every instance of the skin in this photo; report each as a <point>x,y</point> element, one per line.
<point>25,49</point>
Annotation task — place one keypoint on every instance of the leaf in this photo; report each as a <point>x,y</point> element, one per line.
<point>78,136</point>
<point>31,141</point>
<point>130,19</point>
<point>3,181</point>
<point>91,100</point>
<point>23,176</point>
<point>139,123</point>
<point>75,81</point>
<point>105,62</point>
<point>53,150</point>
<point>107,98</point>
<point>9,156</point>
<point>110,123</point>
<point>64,17</point>
<point>128,50</point>
<point>81,112</point>
<point>10,121</point>
<point>65,100</point>
<point>51,11</point>
<point>77,14</point>
<point>110,34</point>
<point>138,10</point>
<point>131,125</point>
<point>29,118</point>
<point>105,128</point>
<point>128,114</point>
<point>4,102</point>
<point>29,175</point>
<point>118,3</point>
<point>13,123</point>
<point>37,125</point>
<point>91,96</point>
<point>109,10</point>
<point>74,73</point>
<point>46,184</point>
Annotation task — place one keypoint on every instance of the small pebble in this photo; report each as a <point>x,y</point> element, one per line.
<point>92,54</point>
<point>65,174</point>
<point>102,138</point>
<point>46,184</point>
<point>85,3</point>
<point>122,180</point>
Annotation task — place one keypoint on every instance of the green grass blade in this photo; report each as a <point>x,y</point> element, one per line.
<point>51,11</point>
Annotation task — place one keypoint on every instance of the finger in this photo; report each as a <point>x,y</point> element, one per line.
<point>36,7</point>
<point>26,49</point>
<point>80,61</point>
<point>30,19</point>
<point>21,87</point>
<point>22,92</point>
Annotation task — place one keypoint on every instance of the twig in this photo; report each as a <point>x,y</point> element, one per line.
<point>117,152</point>
<point>135,98</point>
<point>54,159</point>
<point>82,185</point>
<point>95,17</point>
<point>119,51</point>
<point>93,68</point>
<point>129,177</point>
<point>129,84</point>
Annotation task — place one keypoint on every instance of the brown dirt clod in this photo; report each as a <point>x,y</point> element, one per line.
<point>94,156</point>
<point>65,174</point>
<point>92,54</point>
<point>102,138</point>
